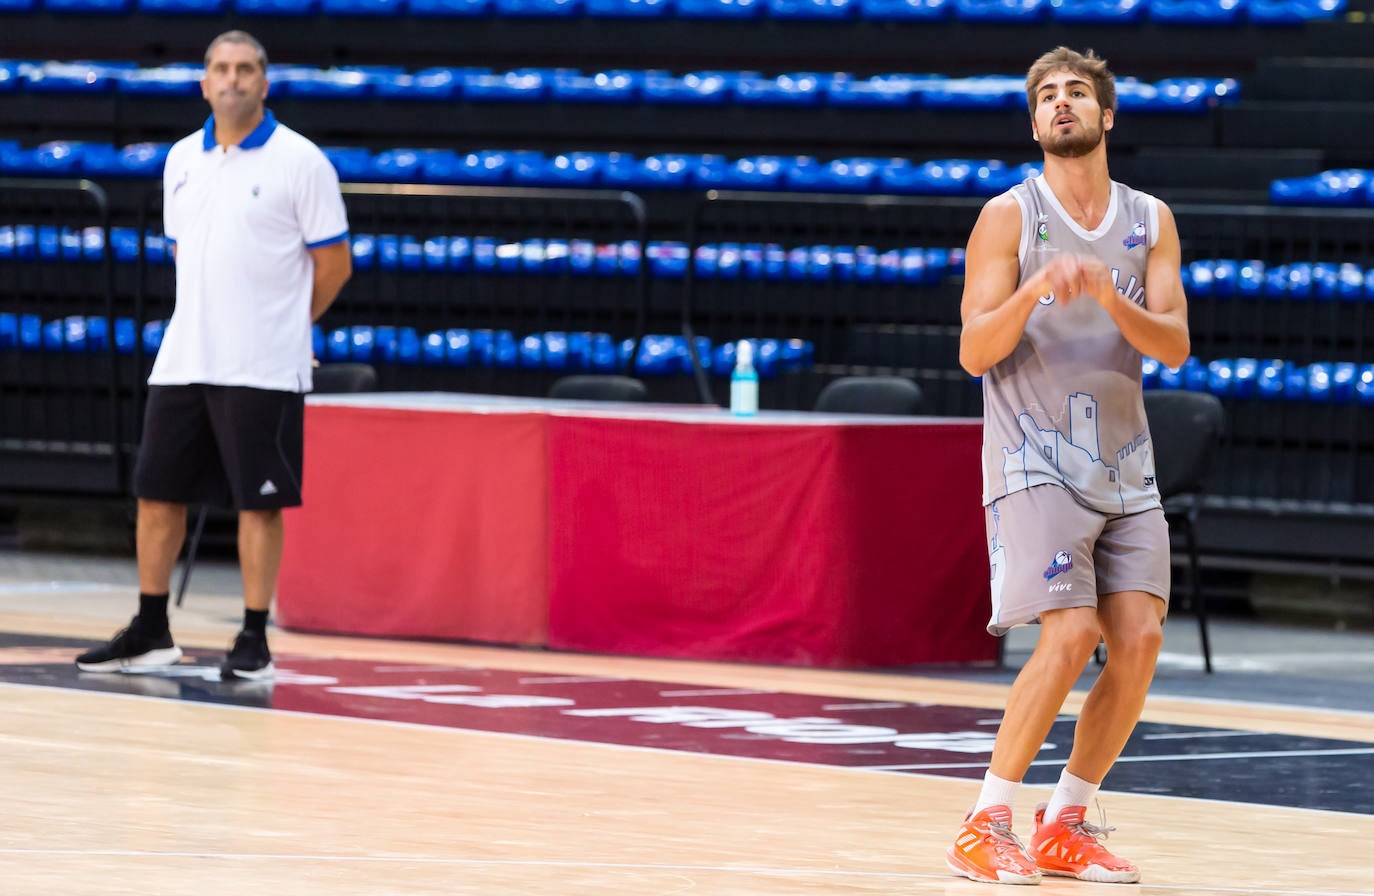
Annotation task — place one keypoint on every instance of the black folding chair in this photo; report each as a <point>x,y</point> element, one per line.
<point>1185,428</point>
<point>870,395</point>
<point>328,378</point>
<point>599,387</point>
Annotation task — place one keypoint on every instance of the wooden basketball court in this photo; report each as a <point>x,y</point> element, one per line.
<point>130,787</point>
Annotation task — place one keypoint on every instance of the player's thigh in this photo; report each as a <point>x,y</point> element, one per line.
<point>260,437</point>
<point>1133,554</point>
<point>1041,553</point>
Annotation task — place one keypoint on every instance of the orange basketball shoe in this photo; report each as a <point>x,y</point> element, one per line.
<point>1071,847</point>
<point>986,850</point>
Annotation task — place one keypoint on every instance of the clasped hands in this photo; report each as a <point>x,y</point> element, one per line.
<point>1069,276</point>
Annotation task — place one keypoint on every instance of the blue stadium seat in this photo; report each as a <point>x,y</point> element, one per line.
<point>143,160</point>
<point>631,9</point>
<point>277,7</point>
<point>399,166</point>
<point>90,7</point>
<point>856,175</point>
<point>754,173</point>
<point>73,77</point>
<point>668,171</point>
<point>991,178</point>
<point>57,158</point>
<point>1364,384</point>
<point>1293,12</point>
<point>179,79</point>
<point>694,88</point>
<point>719,9</point>
<point>10,7</point>
<point>434,84</point>
<point>1098,12</point>
<point>601,87</point>
<point>544,9</point>
<point>183,7</point>
<point>333,83</point>
<point>450,9</point>
<point>800,89</point>
<point>906,10</point>
<point>572,169</point>
<point>1197,12</point>
<point>527,86</point>
<point>985,92</point>
<point>153,332</point>
<point>1341,187</point>
<point>352,163</point>
<point>879,91</point>
<point>949,177</point>
<point>1018,12</point>
<point>813,10</point>
<point>384,9</point>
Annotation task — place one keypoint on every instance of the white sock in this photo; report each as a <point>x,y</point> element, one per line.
<point>996,792</point>
<point>1070,791</point>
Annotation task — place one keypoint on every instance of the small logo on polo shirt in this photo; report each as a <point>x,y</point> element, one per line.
<point>185,176</point>
<point>256,190</point>
<point>267,488</point>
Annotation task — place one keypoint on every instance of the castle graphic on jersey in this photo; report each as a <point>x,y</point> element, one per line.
<point>1073,460</point>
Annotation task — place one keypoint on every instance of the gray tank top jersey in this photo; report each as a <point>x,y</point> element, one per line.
<point>1065,407</point>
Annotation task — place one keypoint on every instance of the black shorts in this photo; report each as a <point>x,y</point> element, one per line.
<point>228,446</point>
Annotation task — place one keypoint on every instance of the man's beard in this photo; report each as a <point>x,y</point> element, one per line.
<point>1074,146</point>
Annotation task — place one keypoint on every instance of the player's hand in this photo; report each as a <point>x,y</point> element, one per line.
<point>1061,278</point>
<point>1095,279</point>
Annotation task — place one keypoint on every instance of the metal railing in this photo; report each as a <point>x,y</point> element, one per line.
<point>64,416</point>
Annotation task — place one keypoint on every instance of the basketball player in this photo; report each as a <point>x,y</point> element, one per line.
<point>1071,278</point>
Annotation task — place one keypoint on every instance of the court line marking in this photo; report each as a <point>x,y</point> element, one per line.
<point>1182,735</point>
<point>17,588</point>
<point>569,679</point>
<point>1175,757</point>
<point>713,692</point>
<point>628,866</point>
<point>539,738</point>
<point>1248,704</point>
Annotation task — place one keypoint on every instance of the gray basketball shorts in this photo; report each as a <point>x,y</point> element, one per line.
<point>1049,552</point>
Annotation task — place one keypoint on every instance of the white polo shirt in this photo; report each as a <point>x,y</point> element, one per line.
<point>243,218</point>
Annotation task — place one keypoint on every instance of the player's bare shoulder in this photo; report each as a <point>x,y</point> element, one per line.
<point>998,227</point>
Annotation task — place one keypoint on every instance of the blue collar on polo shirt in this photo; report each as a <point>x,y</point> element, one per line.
<point>256,137</point>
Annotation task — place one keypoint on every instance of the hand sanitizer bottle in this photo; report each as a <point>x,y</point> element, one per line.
<point>744,382</point>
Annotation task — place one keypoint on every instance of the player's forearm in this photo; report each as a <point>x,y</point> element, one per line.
<point>326,289</point>
<point>989,337</point>
<point>1159,335</point>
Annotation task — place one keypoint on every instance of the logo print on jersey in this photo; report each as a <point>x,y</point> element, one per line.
<point>1063,562</point>
<point>1042,229</point>
<point>1137,237</point>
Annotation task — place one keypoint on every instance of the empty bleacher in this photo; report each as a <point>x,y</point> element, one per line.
<point>597,184</point>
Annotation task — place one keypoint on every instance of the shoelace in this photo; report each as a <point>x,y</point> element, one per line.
<point>1087,828</point>
<point>1003,832</point>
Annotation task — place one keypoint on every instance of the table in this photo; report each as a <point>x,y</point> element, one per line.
<point>797,538</point>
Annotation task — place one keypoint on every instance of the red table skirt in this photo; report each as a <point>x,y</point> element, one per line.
<point>844,545</point>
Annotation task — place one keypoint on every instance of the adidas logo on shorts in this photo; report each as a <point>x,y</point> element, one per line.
<point>267,488</point>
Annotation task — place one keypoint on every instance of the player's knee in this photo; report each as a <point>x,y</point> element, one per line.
<point>1143,640</point>
<point>1073,636</point>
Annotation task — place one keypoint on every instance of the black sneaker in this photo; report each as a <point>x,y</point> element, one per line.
<point>133,649</point>
<point>249,658</point>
